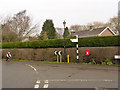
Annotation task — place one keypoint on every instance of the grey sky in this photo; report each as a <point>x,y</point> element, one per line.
<point>73,11</point>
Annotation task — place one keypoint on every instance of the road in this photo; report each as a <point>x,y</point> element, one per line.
<point>49,75</point>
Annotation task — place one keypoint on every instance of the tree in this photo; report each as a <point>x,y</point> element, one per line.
<point>21,25</point>
<point>119,19</point>
<point>48,27</point>
<point>75,27</point>
<point>79,27</point>
<point>7,35</point>
<point>66,32</point>
<point>113,24</point>
<point>95,24</point>
<point>45,37</point>
<point>0,30</point>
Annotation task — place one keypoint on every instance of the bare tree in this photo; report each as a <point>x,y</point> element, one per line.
<point>79,27</point>
<point>75,27</point>
<point>0,20</point>
<point>7,34</point>
<point>96,24</point>
<point>0,30</point>
<point>22,25</point>
<point>113,24</point>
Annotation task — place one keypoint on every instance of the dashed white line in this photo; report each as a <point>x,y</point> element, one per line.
<point>46,81</point>
<point>38,81</point>
<point>82,80</point>
<point>36,86</point>
<point>45,86</point>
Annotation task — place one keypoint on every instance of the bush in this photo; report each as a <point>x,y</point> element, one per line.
<point>59,43</point>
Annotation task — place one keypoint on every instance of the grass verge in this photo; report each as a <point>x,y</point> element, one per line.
<point>62,62</point>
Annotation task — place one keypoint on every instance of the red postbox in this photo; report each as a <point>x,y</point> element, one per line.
<point>87,52</point>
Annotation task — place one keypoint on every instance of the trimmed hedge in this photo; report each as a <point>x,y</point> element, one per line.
<point>58,43</point>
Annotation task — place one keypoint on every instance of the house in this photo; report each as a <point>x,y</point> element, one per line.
<point>103,31</point>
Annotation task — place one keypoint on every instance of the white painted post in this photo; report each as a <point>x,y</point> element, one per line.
<point>117,56</point>
<point>56,53</point>
<point>77,52</point>
<point>57,58</point>
<point>76,40</point>
<point>60,58</point>
<point>60,53</point>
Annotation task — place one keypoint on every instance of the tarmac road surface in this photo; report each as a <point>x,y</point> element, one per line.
<point>49,75</point>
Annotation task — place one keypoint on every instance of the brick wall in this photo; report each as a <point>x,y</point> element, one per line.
<point>47,54</point>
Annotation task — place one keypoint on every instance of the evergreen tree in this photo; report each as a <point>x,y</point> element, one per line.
<point>66,32</point>
<point>48,27</point>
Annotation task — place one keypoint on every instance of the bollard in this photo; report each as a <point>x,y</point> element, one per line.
<point>68,58</point>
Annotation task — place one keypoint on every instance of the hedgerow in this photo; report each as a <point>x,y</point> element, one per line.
<point>59,43</point>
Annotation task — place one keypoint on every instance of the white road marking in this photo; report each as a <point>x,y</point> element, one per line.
<point>36,86</point>
<point>46,81</point>
<point>45,86</point>
<point>108,80</point>
<point>82,80</point>
<point>67,80</point>
<point>38,81</point>
<point>32,67</point>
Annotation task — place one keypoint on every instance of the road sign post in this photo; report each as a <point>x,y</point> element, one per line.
<point>76,40</point>
<point>117,58</point>
<point>57,53</point>
<point>60,53</point>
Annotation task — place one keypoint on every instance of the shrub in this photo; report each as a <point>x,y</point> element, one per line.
<point>59,43</point>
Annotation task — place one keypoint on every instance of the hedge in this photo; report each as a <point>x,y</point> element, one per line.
<point>58,43</point>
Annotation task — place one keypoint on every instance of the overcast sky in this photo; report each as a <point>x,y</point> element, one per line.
<point>73,11</point>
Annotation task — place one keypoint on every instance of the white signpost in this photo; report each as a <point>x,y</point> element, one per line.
<point>76,40</point>
<point>117,57</point>
<point>57,53</point>
<point>60,53</point>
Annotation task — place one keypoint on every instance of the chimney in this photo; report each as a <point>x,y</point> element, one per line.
<point>91,28</point>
